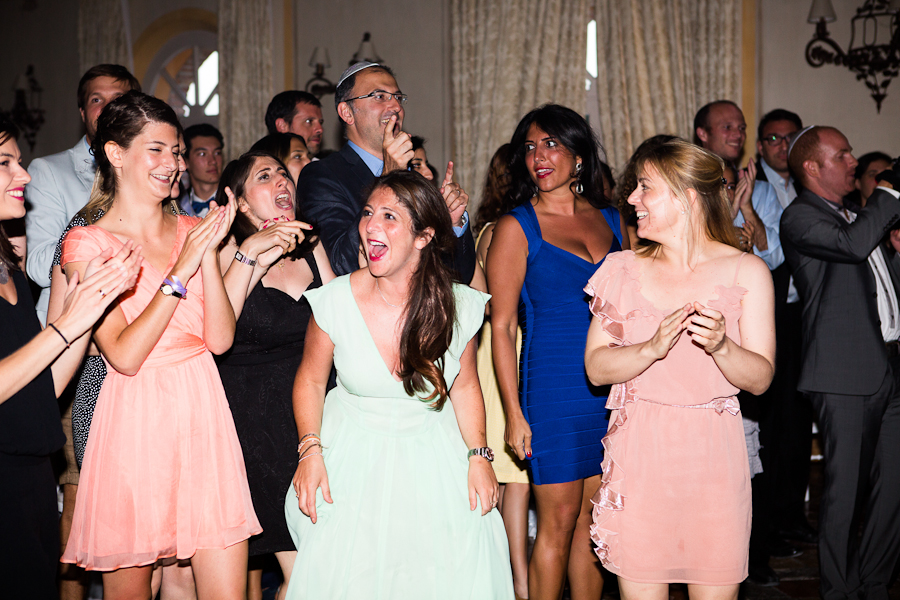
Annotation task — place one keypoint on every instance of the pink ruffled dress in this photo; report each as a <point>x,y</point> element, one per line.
<point>674,503</point>
<point>163,473</point>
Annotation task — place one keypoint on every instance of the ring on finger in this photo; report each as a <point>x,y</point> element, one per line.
<point>102,293</point>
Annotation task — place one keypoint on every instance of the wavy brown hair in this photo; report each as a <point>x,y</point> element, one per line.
<point>495,200</point>
<point>683,166</point>
<point>430,313</point>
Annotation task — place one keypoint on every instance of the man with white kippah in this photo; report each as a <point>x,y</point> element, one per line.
<point>851,359</point>
<point>370,103</point>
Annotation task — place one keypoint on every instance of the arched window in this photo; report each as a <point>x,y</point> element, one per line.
<point>185,73</point>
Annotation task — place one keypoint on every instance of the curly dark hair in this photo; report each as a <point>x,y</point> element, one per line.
<point>575,135</point>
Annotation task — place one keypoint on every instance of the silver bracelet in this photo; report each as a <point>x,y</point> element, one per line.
<point>308,456</point>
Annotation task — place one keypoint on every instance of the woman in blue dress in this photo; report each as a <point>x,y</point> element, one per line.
<point>541,257</point>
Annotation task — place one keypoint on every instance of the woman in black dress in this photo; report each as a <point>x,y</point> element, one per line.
<point>269,261</point>
<point>35,367</point>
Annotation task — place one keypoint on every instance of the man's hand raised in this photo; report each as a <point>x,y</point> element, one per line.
<point>456,198</point>
<point>397,149</point>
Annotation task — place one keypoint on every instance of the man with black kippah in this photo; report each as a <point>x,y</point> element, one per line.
<point>851,359</point>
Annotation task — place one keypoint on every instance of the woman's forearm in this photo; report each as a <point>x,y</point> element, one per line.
<point>503,350</point>
<point>21,367</point>
<point>743,368</point>
<point>605,365</point>
<point>218,315</point>
<point>239,280</point>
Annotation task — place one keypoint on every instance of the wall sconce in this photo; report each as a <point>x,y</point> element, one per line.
<point>366,51</point>
<point>875,64</point>
<point>319,85</point>
<point>26,111</point>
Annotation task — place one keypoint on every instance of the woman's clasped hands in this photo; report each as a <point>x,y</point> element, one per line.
<point>705,326</point>
<point>106,277</point>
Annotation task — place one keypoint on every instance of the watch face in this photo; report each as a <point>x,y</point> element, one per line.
<point>167,289</point>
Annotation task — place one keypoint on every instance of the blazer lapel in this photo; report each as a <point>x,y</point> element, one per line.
<point>84,164</point>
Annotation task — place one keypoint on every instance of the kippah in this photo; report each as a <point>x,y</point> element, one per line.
<point>355,68</point>
<point>797,136</point>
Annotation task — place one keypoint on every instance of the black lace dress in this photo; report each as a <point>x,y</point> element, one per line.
<point>258,374</point>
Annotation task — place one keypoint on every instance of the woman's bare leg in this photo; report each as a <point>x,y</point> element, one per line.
<point>631,590</point>
<point>558,509</point>
<point>713,592</point>
<point>178,581</point>
<point>585,576</point>
<point>286,561</point>
<point>514,510</point>
<point>131,583</point>
<point>254,583</point>
<point>221,573</point>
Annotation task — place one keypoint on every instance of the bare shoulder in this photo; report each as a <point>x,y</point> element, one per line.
<point>752,272</point>
<point>509,230</point>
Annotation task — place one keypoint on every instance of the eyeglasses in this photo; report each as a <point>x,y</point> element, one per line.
<point>775,139</point>
<point>382,97</point>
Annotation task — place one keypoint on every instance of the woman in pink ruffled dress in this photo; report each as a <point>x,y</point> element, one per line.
<point>681,325</point>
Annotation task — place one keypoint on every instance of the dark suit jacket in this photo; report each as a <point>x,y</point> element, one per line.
<point>843,350</point>
<point>330,193</point>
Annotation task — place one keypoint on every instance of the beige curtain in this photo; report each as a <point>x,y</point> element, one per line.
<point>245,71</point>
<point>658,62</point>
<point>507,57</point>
<point>102,34</point>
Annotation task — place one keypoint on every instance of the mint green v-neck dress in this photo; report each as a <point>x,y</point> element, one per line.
<point>400,525</point>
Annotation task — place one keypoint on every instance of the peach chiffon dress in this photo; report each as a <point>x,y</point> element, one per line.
<point>674,503</point>
<point>163,474</point>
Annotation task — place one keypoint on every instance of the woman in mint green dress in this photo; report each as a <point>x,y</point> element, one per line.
<point>394,494</point>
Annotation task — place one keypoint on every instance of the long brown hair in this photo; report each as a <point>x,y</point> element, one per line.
<point>121,121</point>
<point>8,256</point>
<point>495,200</point>
<point>683,166</point>
<point>430,313</point>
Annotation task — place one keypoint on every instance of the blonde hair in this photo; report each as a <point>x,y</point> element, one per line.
<point>684,166</point>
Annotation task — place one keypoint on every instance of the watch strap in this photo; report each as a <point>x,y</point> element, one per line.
<point>242,258</point>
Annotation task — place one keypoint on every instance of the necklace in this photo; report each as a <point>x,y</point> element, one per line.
<point>377,287</point>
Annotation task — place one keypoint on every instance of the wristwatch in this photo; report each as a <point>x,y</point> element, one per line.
<point>173,287</point>
<point>485,453</point>
<point>242,258</point>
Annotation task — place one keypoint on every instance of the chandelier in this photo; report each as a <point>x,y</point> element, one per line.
<point>874,61</point>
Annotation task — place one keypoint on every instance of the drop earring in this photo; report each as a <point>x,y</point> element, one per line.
<point>579,189</point>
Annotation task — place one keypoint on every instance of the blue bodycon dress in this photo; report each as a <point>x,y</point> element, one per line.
<point>567,415</point>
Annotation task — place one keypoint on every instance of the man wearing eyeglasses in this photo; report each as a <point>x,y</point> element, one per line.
<point>371,105</point>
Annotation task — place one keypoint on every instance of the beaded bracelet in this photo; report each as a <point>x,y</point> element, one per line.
<point>305,457</point>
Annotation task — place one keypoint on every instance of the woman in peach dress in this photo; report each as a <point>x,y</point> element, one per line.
<point>681,325</point>
<point>163,474</point>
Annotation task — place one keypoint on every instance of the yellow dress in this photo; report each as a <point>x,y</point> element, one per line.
<point>507,467</point>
